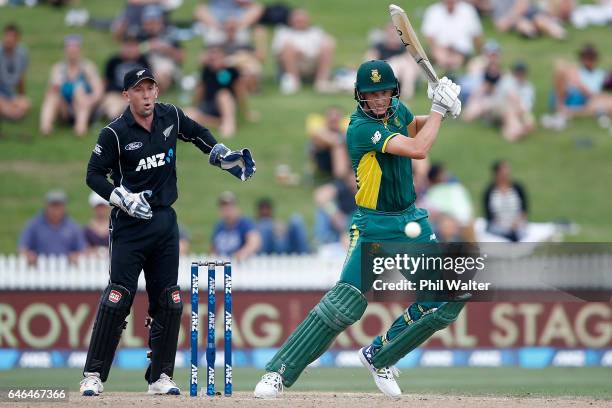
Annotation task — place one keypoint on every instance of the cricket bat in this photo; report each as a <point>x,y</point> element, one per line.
<point>411,41</point>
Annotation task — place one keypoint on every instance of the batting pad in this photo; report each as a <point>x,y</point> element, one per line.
<point>342,306</point>
<point>416,333</point>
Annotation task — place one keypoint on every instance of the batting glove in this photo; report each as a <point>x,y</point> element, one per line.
<point>239,163</point>
<point>135,204</point>
<point>455,110</point>
<point>445,97</point>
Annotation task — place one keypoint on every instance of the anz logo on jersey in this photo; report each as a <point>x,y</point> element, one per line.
<point>157,160</point>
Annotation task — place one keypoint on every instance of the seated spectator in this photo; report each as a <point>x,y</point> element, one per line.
<point>96,231</point>
<point>519,96</point>
<point>448,198</point>
<point>335,204</point>
<point>241,52</point>
<point>476,67</point>
<point>278,237</point>
<point>128,58</point>
<point>386,45</point>
<point>526,18</point>
<point>165,53</point>
<point>13,66</point>
<point>130,22</point>
<point>219,91</point>
<point>505,204</point>
<point>234,235</point>
<point>74,90</point>
<point>453,32</point>
<point>52,232</point>
<point>231,24</point>
<point>507,101</point>
<point>328,144</point>
<point>579,90</point>
<point>303,51</point>
<point>484,100</point>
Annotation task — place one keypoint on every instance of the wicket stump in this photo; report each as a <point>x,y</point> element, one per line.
<point>211,349</point>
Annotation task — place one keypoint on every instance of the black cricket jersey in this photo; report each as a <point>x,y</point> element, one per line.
<point>139,160</point>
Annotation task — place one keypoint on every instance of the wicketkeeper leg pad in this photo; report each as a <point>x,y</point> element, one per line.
<point>163,337</point>
<point>415,332</point>
<point>110,322</point>
<point>342,306</point>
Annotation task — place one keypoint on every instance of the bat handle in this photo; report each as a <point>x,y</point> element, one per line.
<point>429,72</point>
<point>432,79</point>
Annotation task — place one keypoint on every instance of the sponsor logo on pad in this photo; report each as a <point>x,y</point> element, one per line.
<point>114,296</point>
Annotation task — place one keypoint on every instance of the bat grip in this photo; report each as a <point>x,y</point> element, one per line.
<point>429,72</point>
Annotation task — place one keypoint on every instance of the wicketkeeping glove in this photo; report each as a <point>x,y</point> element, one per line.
<point>239,163</point>
<point>135,204</point>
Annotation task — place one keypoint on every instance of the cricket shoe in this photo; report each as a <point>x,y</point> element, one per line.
<point>270,386</point>
<point>91,385</point>
<point>383,377</point>
<point>165,385</point>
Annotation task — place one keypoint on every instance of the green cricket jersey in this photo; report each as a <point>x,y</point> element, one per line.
<point>384,180</point>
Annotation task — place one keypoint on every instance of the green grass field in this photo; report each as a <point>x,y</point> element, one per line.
<point>553,382</point>
<point>566,173</point>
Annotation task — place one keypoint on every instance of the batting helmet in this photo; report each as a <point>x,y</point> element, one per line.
<point>372,76</point>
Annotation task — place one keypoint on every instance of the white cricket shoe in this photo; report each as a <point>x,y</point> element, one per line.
<point>383,377</point>
<point>91,385</point>
<point>270,386</point>
<point>165,385</point>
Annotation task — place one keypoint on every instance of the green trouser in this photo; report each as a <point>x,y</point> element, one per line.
<point>374,226</point>
<point>370,226</point>
<point>344,304</point>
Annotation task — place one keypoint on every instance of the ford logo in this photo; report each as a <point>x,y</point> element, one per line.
<point>133,146</point>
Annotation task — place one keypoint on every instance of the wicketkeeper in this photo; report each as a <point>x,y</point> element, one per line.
<point>138,151</point>
<point>382,138</point>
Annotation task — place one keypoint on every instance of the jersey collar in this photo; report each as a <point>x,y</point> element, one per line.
<point>157,113</point>
<point>128,117</point>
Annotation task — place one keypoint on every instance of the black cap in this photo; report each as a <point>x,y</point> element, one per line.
<point>519,67</point>
<point>132,78</point>
<point>588,51</point>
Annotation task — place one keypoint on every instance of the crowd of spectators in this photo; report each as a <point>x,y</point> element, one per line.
<point>240,37</point>
<point>14,104</point>
<point>236,46</point>
<point>53,232</point>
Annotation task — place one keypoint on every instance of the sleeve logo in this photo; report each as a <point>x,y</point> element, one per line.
<point>97,149</point>
<point>376,137</point>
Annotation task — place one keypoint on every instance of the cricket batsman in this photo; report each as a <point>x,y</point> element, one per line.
<point>138,151</point>
<point>382,138</point>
